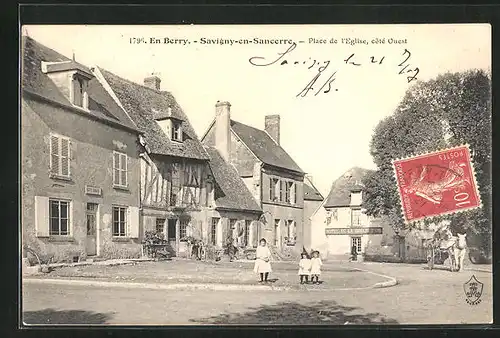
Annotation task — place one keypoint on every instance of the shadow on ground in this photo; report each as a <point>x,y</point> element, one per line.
<point>51,316</point>
<point>324,312</point>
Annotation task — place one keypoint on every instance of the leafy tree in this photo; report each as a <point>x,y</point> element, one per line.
<point>450,110</point>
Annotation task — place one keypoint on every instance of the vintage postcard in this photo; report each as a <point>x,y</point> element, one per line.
<point>276,175</point>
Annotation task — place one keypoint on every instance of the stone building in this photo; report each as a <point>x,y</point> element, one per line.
<point>274,179</point>
<point>80,162</point>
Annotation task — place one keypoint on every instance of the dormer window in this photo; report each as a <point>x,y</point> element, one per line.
<point>172,128</point>
<point>72,79</point>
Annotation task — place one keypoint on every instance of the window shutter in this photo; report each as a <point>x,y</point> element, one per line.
<point>54,154</point>
<point>123,166</point>
<point>116,172</point>
<point>133,222</point>
<point>254,240</point>
<point>277,190</point>
<point>42,216</point>
<point>293,193</point>
<point>64,157</point>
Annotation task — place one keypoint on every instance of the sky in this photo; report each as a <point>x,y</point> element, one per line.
<point>325,133</point>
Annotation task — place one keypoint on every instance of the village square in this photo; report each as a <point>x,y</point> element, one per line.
<point>129,217</point>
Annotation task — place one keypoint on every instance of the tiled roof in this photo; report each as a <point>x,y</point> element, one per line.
<point>144,105</point>
<point>340,194</point>
<point>310,191</point>
<point>101,105</point>
<point>264,147</point>
<point>234,194</point>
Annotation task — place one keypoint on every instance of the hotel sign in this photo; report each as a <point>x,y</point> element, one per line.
<point>91,190</point>
<point>354,231</point>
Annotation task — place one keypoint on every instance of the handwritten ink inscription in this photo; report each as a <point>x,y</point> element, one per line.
<point>322,81</point>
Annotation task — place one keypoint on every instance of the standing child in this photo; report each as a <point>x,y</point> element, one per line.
<point>316,264</point>
<point>262,265</point>
<point>304,268</point>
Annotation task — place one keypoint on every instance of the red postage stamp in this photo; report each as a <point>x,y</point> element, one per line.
<point>437,183</point>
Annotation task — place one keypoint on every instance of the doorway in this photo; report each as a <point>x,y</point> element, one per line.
<point>91,241</point>
<point>356,241</point>
<point>172,233</point>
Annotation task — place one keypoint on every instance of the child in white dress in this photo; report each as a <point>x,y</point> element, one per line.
<point>304,268</point>
<point>262,263</point>
<point>316,264</point>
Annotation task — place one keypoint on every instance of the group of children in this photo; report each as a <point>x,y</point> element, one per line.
<point>308,267</point>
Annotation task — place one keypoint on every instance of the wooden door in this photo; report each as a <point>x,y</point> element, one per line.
<point>91,241</point>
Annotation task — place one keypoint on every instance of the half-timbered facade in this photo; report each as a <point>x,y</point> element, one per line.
<point>174,165</point>
<point>183,190</point>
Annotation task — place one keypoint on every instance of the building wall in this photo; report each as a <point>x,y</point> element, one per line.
<point>282,210</point>
<point>239,155</point>
<point>309,208</point>
<point>92,145</point>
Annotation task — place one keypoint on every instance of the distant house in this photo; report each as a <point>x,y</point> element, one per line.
<point>271,175</point>
<point>340,223</point>
<point>312,200</point>
<point>80,162</point>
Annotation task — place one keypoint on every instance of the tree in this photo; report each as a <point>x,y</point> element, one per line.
<point>450,110</point>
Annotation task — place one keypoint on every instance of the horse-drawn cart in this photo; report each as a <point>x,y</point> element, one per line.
<point>443,245</point>
<point>436,253</point>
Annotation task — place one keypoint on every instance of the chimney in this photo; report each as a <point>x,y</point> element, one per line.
<point>222,128</point>
<point>272,127</point>
<point>152,82</point>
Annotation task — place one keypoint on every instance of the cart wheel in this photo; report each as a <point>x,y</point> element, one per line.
<point>430,258</point>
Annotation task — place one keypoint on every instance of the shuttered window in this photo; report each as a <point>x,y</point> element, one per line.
<point>119,169</point>
<point>246,241</point>
<point>291,232</point>
<point>119,221</point>
<point>58,217</point>
<point>60,156</point>
<point>213,230</point>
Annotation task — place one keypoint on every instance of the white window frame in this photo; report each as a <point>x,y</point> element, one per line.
<point>120,169</point>
<point>176,131</point>
<point>359,216</point>
<point>60,156</point>
<point>183,228</point>
<point>126,221</point>
<point>69,218</point>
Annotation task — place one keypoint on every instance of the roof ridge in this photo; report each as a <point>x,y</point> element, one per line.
<point>68,59</point>
<point>274,141</point>
<point>138,84</point>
